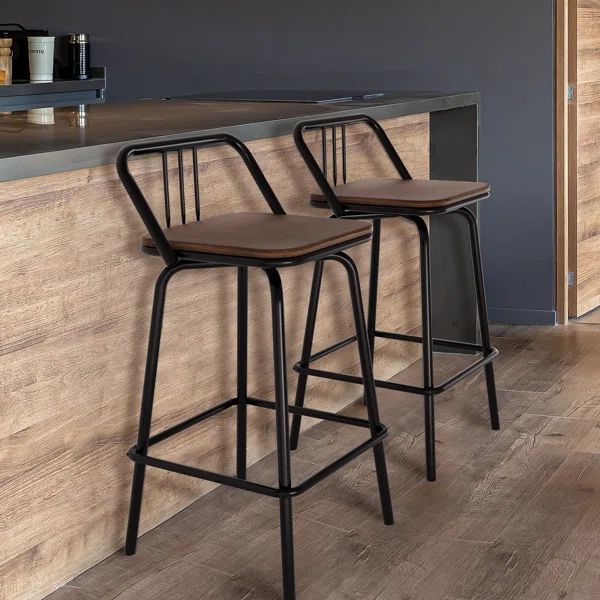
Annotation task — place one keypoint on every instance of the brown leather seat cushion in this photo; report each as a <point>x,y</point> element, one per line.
<point>262,235</point>
<point>408,193</point>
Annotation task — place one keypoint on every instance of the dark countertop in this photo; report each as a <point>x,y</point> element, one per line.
<point>28,149</point>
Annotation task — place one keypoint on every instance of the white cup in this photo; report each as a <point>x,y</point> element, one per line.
<point>41,58</point>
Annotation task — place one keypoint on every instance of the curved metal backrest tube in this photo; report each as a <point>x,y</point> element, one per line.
<point>179,146</point>
<point>141,205</point>
<point>320,174</point>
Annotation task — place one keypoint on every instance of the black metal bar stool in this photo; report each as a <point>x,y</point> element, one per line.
<point>268,241</point>
<point>412,200</point>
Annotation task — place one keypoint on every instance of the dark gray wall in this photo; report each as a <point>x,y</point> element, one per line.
<point>504,49</point>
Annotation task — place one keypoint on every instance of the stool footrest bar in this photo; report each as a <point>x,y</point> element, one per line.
<point>252,486</point>
<point>402,387</point>
<point>215,410</point>
<point>402,337</point>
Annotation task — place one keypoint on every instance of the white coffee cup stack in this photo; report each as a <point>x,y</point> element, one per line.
<point>41,58</point>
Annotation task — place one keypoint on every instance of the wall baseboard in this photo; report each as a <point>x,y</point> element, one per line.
<point>522,316</point>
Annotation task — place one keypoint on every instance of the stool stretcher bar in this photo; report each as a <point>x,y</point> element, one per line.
<point>390,385</point>
<point>251,486</point>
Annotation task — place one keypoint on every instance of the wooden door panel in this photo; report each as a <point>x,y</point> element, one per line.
<point>586,261</point>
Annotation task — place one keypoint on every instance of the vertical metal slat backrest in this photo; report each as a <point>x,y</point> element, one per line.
<point>321,173</point>
<point>181,182</point>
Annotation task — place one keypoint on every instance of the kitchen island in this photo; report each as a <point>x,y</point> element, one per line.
<point>76,296</point>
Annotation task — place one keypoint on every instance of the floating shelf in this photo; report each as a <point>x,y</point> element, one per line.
<point>60,92</point>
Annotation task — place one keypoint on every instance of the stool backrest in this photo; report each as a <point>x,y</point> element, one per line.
<point>320,172</point>
<point>177,148</point>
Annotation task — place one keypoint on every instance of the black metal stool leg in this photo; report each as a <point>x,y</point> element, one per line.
<point>242,371</point>
<point>373,285</point>
<point>483,316</point>
<point>373,288</point>
<point>428,396</point>
<point>283,440</point>
<point>146,409</point>
<point>370,394</point>
<point>309,334</point>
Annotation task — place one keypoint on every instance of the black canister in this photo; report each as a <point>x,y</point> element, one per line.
<point>79,56</point>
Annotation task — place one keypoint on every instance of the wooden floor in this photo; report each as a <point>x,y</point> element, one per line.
<point>514,514</point>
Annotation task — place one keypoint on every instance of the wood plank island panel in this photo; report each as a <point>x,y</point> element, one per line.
<point>76,295</point>
<point>587,263</point>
